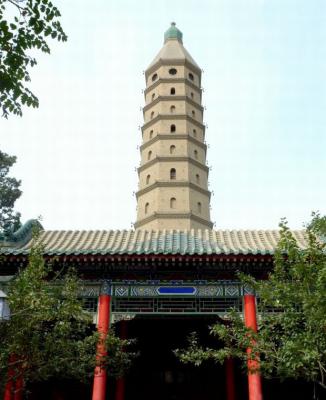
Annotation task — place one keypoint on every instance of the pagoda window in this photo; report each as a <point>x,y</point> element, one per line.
<point>173,174</point>
<point>173,202</point>
<point>152,114</point>
<point>172,71</point>
<point>172,90</point>
<point>194,132</point>
<point>153,96</point>
<point>196,154</point>
<point>148,177</point>
<point>154,77</point>
<point>172,128</point>
<point>151,134</point>
<point>191,76</point>
<point>172,149</point>
<point>199,207</point>
<point>192,95</point>
<point>146,208</point>
<point>193,114</point>
<point>197,178</point>
<point>149,155</point>
<point>172,109</point>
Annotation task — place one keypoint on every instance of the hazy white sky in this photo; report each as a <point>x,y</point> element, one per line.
<point>264,65</point>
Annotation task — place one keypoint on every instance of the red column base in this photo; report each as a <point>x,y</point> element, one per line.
<point>10,384</point>
<point>99,385</point>
<point>8,391</point>
<point>254,385</point>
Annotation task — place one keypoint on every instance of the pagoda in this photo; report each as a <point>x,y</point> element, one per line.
<point>173,190</point>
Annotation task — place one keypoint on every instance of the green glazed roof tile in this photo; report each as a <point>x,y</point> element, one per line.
<point>117,242</point>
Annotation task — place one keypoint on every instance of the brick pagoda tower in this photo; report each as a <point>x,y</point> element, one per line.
<point>173,191</point>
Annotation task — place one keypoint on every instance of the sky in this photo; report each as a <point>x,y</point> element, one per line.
<point>264,68</point>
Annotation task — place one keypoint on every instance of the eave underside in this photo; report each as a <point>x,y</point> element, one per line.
<point>144,267</point>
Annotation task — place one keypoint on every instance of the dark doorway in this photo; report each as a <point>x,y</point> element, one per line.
<point>158,374</point>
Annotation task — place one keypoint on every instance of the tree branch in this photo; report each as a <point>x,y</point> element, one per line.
<point>20,8</point>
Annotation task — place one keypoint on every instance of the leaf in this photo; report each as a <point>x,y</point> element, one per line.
<point>18,35</point>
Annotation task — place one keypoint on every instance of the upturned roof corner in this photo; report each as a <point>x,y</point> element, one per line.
<point>22,235</point>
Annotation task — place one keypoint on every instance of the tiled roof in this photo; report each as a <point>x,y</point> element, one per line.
<point>171,51</point>
<point>115,242</point>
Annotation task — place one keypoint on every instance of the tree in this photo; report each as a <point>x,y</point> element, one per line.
<point>9,193</point>
<point>49,335</point>
<point>24,25</point>
<point>291,341</point>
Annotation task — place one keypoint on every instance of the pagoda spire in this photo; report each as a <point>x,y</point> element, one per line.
<point>173,190</point>
<point>173,33</point>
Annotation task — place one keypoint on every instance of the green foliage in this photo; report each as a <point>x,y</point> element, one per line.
<point>9,193</point>
<point>25,25</point>
<point>49,335</point>
<point>291,341</point>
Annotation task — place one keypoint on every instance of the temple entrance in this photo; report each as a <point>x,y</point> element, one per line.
<point>158,374</point>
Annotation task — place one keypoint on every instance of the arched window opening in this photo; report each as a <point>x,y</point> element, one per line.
<point>196,154</point>
<point>197,178</point>
<point>199,207</point>
<point>172,91</point>
<point>173,174</point>
<point>194,132</point>
<point>172,128</point>
<point>172,109</point>
<point>148,178</point>
<point>191,77</point>
<point>153,96</point>
<point>154,77</point>
<point>151,134</point>
<point>149,155</point>
<point>152,114</point>
<point>173,202</point>
<point>172,71</point>
<point>192,95</point>
<point>193,114</point>
<point>146,208</point>
<point>172,149</point>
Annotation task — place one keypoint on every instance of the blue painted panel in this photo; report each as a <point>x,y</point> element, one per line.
<point>185,290</point>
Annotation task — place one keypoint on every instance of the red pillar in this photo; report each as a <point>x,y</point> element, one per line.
<point>229,372</point>
<point>8,395</point>
<point>8,390</point>
<point>19,384</point>
<point>254,379</point>
<point>14,389</point>
<point>121,382</point>
<point>100,377</point>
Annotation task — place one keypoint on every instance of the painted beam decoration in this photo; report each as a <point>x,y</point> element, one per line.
<point>167,297</point>
<point>180,288</point>
<point>166,288</point>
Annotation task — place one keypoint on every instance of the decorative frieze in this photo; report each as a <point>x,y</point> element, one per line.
<point>169,289</point>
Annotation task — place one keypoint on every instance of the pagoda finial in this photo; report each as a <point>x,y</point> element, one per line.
<point>173,33</point>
